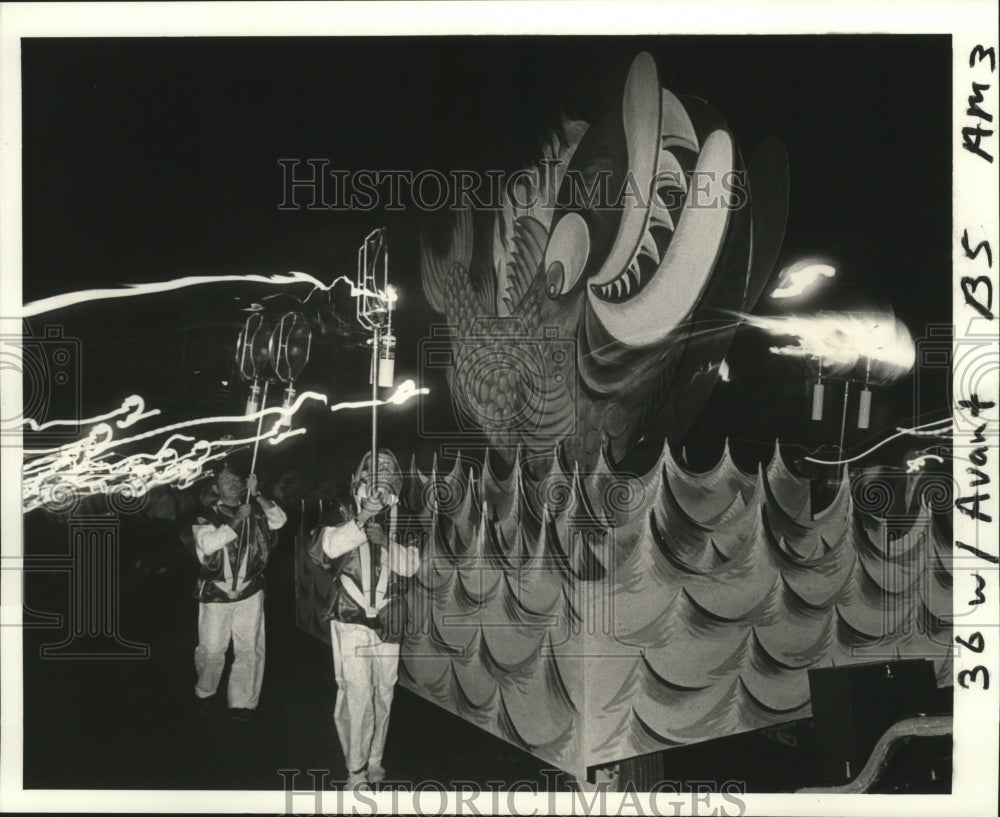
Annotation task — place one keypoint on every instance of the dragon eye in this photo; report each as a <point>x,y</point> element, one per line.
<point>566,255</point>
<point>554,278</point>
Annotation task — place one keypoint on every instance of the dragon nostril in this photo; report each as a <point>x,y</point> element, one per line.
<point>554,278</point>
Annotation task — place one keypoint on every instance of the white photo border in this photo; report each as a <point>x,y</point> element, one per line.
<point>973,29</point>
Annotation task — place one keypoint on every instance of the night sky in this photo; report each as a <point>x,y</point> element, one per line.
<point>151,159</point>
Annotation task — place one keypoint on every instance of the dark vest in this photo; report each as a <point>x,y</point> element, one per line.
<point>340,604</point>
<point>219,579</point>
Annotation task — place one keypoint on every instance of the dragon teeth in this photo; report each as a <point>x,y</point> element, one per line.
<point>648,247</point>
<point>622,287</point>
<point>670,174</point>
<point>659,213</point>
<point>636,275</point>
<point>675,124</point>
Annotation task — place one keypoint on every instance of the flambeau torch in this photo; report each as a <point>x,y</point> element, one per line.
<point>261,351</point>
<point>289,349</point>
<point>374,303</point>
<point>285,349</point>
<point>252,360</point>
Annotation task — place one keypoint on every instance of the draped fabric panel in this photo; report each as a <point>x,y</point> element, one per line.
<point>588,618</point>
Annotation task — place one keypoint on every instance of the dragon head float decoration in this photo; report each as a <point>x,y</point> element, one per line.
<point>601,310</point>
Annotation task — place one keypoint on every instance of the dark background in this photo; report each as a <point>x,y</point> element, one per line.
<point>151,159</point>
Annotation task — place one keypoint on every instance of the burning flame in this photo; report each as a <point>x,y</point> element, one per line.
<point>801,277</point>
<point>841,340</point>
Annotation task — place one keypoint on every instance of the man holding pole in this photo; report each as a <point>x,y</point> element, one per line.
<point>365,611</point>
<point>233,542</point>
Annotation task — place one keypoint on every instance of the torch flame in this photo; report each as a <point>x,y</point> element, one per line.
<point>801,277</point>
<point>842,340</point>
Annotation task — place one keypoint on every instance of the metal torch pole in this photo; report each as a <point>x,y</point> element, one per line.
<point>260,425</point>
<point>245,530</point>
<point>843,423</point>
<point>373,465</point>
<point>376,340</point>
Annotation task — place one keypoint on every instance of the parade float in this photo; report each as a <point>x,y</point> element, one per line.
<point>590,616</point>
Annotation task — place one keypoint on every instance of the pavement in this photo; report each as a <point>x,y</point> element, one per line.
<point>129,723</point>
<point>95,723</point>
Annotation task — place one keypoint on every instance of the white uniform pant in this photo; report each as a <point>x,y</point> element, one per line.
<point>365,668</point>
<point>243,622</point>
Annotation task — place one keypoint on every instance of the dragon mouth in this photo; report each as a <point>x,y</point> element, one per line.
<point>666,215</point>
<point>662,148</point>
<point>666,246</point>
<point>651,249</point>
<point>637,274</point>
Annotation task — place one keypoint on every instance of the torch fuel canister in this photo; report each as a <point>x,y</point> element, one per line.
<point>818,391</point>
<point>253,401</point>
<point>865,408</point>
<point>387,361</point>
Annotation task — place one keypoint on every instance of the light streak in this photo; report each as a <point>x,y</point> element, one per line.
<point>88,466</point>
<point>342,279</point>
<point>685,332</point>
<point>917,463</point>
<point>131,290</point>
<point>239,418</point>
<point>133,403</point>
<point>84,467</point>
<point>405,391</point>
<point>390,295</point>
<point>930,433</point>
<point>801,277</point>
<point>916,431</point>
